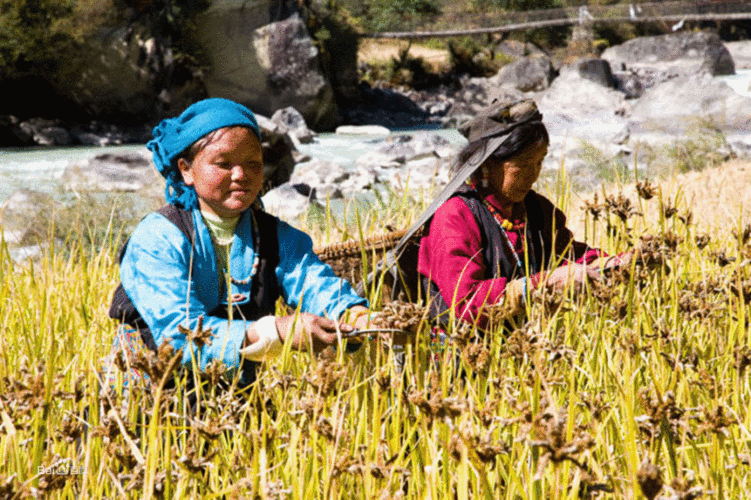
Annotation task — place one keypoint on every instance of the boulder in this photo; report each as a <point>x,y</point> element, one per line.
<point>430,173</point>
<point>674,104</point>
<point>11,133</point>
<point>362,130</point>
<point>596,70</point>
<point>329,180</point>
<point>46,132</point>
<point>400,149</point>
<point>527,74</point>
<point>741,53</point>
<point>473,95</point>
<point>683,52</point>
<point>293,122</point>
<point>101,134</point>
<point>24,216</point>
<point>265,66</point>
<point>573,93</point>
<point>288,201</point>
<point>629,83</point>
<point>21,255</point>
<point>126,74</point>
<point>515,49</point>
<point>126,172</point>
<point>279,152</point>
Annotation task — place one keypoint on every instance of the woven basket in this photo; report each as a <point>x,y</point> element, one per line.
<point>346,259</point>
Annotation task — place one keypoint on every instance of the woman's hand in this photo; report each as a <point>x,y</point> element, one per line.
<point>572,275</point>
<point>305,330</point>
<point>359,316</point>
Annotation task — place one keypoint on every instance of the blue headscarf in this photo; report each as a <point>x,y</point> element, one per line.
<point>174,135</point>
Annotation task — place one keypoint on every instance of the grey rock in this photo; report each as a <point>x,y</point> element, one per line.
<point>526,74</point>
<point>46,132</point>
<point>424,174</point>
<point>741,53</point>
<point>113,172</point>
<point>685,52</point>
<point>596,70</point>
<point>332,180</point>
<point>127,72</point>
<point>265,66</point>
<point>90,139</point>
<point>473,95</point>
<point>21,255</point>
<point>516,49</point>
<point>293,121</point>
<point>570,92</point>
<point>439,108</point>
<point>279,152</point>
<point>23,216</point>
<point>287,202</point>
<point>397,150</point>
<point>629,83</point>
<point>675,104</point>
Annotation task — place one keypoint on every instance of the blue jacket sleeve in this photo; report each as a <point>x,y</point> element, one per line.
<point>307,281</point>
<point>155,273</point>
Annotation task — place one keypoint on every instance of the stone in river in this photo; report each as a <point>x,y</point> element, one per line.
<point>362,130</point>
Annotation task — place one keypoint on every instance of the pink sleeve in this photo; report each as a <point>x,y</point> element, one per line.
<point>451,255</point>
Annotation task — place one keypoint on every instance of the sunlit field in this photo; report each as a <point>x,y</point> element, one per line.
<point>637,389</point>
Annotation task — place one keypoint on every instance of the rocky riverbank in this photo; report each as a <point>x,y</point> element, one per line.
<point>654,103</point>
<point>634,106</point>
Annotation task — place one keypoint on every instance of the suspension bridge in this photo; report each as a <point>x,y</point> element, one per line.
<point>669,12</point>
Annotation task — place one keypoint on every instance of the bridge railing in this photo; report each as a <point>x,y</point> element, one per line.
<point>636,11</point>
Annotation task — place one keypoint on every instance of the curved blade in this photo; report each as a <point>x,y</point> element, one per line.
<point>472,164</point>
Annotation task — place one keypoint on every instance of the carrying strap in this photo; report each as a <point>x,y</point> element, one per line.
<point>121,308</point>
<point>264,290</point>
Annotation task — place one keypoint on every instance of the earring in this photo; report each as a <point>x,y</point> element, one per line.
<point>484,181</point>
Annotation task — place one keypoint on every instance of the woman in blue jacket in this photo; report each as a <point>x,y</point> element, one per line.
<point>213,257</point>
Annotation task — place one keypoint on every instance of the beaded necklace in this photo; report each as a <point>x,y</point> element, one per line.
<point>224,246</point>
<point>256,248</point>
<point>505,224</point>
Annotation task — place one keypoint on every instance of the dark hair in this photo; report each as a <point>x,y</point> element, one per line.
<point>520,138</point>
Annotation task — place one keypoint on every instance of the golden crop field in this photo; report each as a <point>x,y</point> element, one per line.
<point>637,389</point>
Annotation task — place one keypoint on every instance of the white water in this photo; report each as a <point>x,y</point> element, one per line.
<point>740,81</point>
<point>41,169</point>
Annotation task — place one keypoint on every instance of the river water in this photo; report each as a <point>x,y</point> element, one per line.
<point>41,169</point>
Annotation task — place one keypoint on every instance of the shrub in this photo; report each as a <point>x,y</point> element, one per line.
<point>33,33</point>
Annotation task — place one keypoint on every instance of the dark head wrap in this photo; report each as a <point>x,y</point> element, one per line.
<point>499,119</point>
<point>174,135</point>
<point>486,133</point>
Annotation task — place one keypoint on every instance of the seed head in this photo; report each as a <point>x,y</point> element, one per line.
<point>650,481</point>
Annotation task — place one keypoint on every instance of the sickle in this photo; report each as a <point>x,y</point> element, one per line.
<point>474,161</point>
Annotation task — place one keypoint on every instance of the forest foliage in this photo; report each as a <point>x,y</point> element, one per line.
<point>36,34</point>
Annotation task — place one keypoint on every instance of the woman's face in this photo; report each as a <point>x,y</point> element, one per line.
<point>512,179</point>
<point>227,174</point>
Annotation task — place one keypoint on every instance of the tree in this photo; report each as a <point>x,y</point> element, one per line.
<point>400,14</point>
<point>33,33</point>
